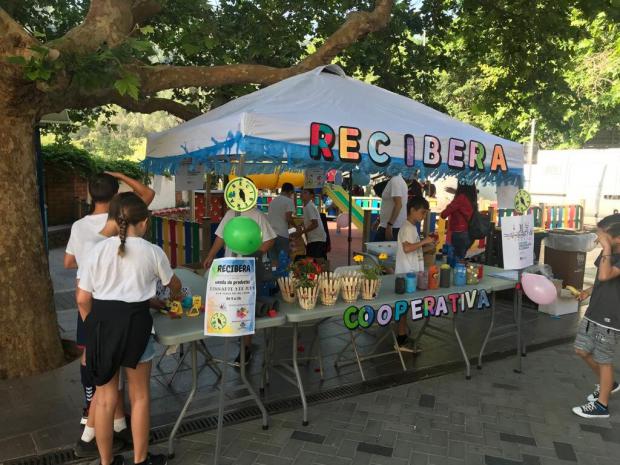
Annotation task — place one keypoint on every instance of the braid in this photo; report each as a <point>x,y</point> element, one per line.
<point>122,234</point>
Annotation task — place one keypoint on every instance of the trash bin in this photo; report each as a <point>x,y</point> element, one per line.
<point>565,253</point>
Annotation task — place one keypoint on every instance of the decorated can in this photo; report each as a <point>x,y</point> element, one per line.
<point>422,280</point>
<point>472,274</point>
<point>410,282</point>
<point>460,274</point>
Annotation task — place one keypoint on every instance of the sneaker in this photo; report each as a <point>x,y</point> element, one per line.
<point>83,449</point>
<point>248,356</point>
<point>153,459</point>
<point>597,390</point>
<point>407,345</point>
<point>84,416</point>
<point>591,410</point>
<point>125,436</point>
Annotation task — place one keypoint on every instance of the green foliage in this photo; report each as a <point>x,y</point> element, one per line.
<point>75,160</point>
<point>493,63</point>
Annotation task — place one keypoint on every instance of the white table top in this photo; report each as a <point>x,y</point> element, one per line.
<point>295,314</point>
<point>188,329</point>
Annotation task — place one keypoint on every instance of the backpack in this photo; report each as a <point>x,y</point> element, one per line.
<point>479,226</point>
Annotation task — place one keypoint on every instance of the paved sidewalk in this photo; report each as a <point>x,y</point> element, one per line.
<point>496,418</point>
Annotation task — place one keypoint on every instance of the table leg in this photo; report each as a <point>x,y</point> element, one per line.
<point>220,408</point>
<point>190,397</point>
<point>458,339</point>
<point>400,355</point>
<point>519,368</point>
<point>317,338</point>
<point>489,331</point>
<point>247,385</point>
<point>300,386</point>
<point>357,355</point>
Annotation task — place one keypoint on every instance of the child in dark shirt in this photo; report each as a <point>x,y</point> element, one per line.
<point>598,330</point>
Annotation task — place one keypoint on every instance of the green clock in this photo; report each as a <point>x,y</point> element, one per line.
<point>218,320</point>
<point>241,195</point>
<point>523,200</point>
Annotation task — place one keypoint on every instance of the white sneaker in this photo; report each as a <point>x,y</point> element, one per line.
<point>597,390</point>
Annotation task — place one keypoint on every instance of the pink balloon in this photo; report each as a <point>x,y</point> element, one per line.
<point>538,288</point>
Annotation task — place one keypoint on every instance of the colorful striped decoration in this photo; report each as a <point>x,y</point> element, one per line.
<point>180,240</point>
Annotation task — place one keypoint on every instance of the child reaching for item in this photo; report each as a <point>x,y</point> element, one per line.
<point>597,333</point>
<point>410,256</point>
<point>119,278</point>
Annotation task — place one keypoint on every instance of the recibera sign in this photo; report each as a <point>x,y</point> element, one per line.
<point>458,155</point>
<point>422,307</point>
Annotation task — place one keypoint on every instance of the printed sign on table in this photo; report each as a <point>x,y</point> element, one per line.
<point>188,179</point>
<point>231,297</point>
<point>517,241</point>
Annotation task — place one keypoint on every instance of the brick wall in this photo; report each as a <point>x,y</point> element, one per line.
<point>63,193</point>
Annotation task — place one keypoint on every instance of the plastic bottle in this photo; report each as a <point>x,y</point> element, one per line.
<point>410,283</point>
<point>422,280</point>
<point>460,274</point>
<point>433,277</point>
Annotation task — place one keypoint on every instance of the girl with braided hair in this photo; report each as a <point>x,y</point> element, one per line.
<point>114,291</point>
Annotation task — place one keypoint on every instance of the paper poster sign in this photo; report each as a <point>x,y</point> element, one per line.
<point>188,179</point>
<point>230,302</point>
<point>517,241</point>
<point>314,178</point>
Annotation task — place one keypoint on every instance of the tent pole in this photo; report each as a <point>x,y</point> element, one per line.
<point>349,240</point>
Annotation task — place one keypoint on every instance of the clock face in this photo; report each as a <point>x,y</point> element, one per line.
<point>522,201</point>
<point>240,194</point>
<point>218,320</point>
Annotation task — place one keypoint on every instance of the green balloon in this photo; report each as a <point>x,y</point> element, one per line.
<point>242,235</point>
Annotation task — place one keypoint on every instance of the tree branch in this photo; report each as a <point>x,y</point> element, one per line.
<point>151,105</point>
<point>356,26</point>
<point>14,39</point>
<point>108,22</point>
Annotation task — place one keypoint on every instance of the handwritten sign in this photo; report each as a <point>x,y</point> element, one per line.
<point>231,297</point>
<point>517,241</point>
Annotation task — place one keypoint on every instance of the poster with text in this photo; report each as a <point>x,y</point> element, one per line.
<point>517,241</point>
<point>231,297</point>
<point>188,178</point>
<point>314,178</point>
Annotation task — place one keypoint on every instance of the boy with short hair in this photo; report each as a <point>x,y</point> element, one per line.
<point>410,257</point>
<point>597,334</point>
<point>85,234</point>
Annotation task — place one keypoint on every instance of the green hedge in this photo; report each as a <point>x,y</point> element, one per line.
<point>81,162</point>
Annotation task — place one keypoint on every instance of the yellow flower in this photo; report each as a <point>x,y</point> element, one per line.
<point>358,258</point>
<point>383,256</point>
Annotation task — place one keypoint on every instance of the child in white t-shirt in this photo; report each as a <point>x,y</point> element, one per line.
<point>116,283</point>
<point>409,255</point>
<point>86,233</point>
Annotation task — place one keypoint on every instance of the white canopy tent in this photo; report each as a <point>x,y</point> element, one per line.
<point>324,118</point>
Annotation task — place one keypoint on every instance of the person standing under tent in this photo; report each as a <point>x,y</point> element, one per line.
<point>459,213</point>
<point>280,217</point>
<point>316,239</point>
<point>392,214</point>
<point>269,237</point>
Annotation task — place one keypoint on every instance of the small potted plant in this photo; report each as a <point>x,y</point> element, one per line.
<point>370,272</point>
<point>306,275</point>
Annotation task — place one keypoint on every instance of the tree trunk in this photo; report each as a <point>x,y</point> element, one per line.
<point>29,338</point>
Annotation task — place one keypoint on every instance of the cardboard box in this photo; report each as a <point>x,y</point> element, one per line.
<point>567,266</point>
<point>564,305</point>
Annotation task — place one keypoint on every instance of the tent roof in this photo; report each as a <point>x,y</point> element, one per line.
<point>272,125</point>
